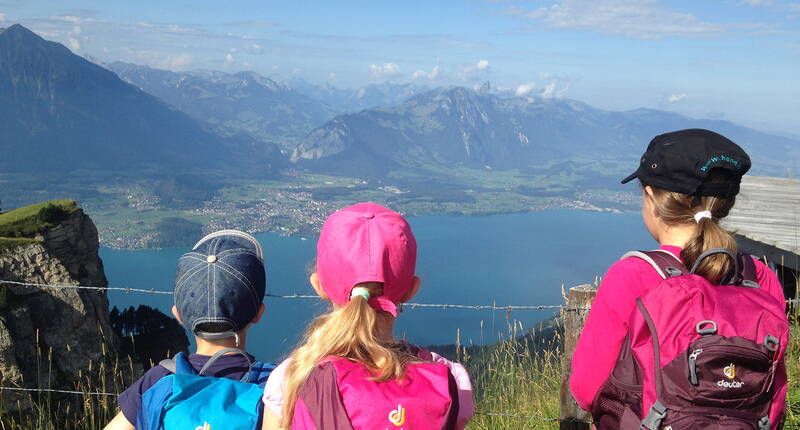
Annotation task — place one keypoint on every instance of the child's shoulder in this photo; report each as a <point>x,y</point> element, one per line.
<point>629,266</point>
<point>458,371</point>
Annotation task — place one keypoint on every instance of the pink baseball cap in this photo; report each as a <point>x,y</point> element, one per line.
<point>367,243</point>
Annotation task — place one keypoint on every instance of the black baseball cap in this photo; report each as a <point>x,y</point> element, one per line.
<point>681,160</point>
<point>221,281</point>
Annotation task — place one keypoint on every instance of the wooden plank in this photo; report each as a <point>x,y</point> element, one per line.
<point>767,214</point>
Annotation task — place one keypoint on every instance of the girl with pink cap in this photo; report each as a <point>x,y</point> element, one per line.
<point>350,372</point>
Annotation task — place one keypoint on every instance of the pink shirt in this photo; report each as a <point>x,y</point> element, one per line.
<point>607,325</point>
<point>273,390</point>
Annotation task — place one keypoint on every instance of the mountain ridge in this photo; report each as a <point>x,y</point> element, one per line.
<point>61,112</point>
<point>461,126</point>
<point>242,102</point>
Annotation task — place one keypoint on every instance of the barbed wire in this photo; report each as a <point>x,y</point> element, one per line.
<point>528,417</point>
<point>53,390</point>
<point>302,296</point>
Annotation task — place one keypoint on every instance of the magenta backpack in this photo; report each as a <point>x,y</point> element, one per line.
<point>340,395</point>
<point>697,355</point>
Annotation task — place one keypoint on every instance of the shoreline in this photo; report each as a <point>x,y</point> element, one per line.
<point>308,231</point>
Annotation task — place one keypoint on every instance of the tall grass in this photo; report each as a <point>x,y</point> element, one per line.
<point>515,376</point>
<point>46,410</point>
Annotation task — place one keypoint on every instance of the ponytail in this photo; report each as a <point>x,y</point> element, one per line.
<point>677,209</point>
<point>710,235</point>
<point>349,332</point>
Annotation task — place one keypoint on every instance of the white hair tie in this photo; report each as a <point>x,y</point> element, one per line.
<point>700,215</point>
<point>360,291</point>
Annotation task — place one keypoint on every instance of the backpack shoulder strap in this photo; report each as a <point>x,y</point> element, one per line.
<point>320,394</point>
<point>168,363</point>
<point>452,413</point>
<point>664,262</point>
<point>746,276</point>
<point>178,365</point>
<point>747,267</point>
<point>260,371</point>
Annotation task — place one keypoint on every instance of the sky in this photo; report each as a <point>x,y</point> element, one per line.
<point>737,60</point>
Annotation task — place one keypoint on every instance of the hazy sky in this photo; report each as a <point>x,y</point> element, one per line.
<point>731,59</point>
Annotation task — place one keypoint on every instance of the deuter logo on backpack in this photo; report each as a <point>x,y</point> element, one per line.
<point>398,416</point>
<point>730,373</point>
<point>205,426</point>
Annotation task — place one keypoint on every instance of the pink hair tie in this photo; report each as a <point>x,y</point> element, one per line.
<point>700,215</point>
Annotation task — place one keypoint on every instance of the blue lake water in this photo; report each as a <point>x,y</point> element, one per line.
<point>521,259</point>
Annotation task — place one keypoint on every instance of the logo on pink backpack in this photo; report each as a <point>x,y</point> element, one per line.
<point>697,355</point>
<point>357,402</point>
<point>398,416</point>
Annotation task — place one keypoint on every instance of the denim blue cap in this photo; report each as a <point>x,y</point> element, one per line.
<point>221,280</point>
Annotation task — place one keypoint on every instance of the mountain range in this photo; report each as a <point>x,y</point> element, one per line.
<point>462,127</point>
<point>60,112</point>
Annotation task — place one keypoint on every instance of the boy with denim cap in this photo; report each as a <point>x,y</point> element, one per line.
<point>219,288</point>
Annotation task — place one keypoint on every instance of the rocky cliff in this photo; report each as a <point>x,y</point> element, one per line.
<point>48,337</point>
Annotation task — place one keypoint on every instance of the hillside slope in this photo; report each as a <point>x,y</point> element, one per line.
<point>60,112</point>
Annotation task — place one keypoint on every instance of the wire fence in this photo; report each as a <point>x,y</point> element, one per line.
<point>507,308</point>
<point>302,296</point>
<point>493,306</point>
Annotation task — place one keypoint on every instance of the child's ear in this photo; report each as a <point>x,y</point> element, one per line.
<point>648,191</point>
<point>314,280</point>
<point>175,314</point>
<point>259,314</point>
<point>413,291</point>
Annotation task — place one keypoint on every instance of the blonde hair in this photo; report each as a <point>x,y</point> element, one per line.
<point>349,332</point>
<point>679,209</point>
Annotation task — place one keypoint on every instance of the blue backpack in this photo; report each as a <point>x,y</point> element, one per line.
<point>187,400</point>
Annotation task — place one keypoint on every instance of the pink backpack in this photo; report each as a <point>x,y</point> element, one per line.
<point>697,355</point>
<point>339,395</point>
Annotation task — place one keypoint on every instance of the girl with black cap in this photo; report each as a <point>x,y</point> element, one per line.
<point>689,181</point>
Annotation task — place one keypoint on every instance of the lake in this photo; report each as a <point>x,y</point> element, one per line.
<point>520,259</point>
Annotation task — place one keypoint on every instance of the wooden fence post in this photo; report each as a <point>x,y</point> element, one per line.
<point>573,417</point>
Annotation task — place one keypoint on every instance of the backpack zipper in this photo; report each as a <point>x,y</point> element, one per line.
<point>693,365</point>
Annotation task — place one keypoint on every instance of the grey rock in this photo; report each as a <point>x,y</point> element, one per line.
<point>48,337</point>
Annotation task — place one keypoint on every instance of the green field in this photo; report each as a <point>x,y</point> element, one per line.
<point>21,226</point>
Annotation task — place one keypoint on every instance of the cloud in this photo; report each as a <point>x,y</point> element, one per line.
<point>642,19</point>
<point>387,71</point>
<point>674,98</point>
<point>252,24</point>
<point>549,86</point>
<point>72,19</point>
<point>178,62</point>
<point>757,3</point>
<point>2,17</point>
<point>74,44</point>
<point>432,75</point>
<point>253,48</point>
<point>476,71</point>
<point>229,58</point>
<point>525,89</point>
